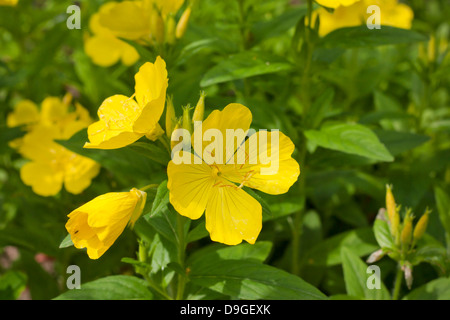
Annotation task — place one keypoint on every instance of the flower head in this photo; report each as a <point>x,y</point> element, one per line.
<point>216,187</point>
<point>354,13</point>
<point>50,164</point>
<point>104,48</point>
<point>97,224</point>
<point>124,120</point>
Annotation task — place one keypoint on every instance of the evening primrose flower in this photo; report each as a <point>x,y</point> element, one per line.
<point>97,224</point>
<point>104,48</point>
<point>51,165</point>
<point>124,120</point>
<point>394,14</point>
<point>232,215</point>
<point>144,21</point>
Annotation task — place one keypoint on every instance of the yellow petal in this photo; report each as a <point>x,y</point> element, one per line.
<point>126,20</point>
<point>273,172</point>
<point>103,50</point>
<point>43,178</point>
<point>190,187</point>
<point>25,112</point>
<point>151,87</point>
<point>233,117</point>
<point>38,145</point>
<point>52,109</point>
<point>115,128</point>
<point>232,215</point>
<point>79,172</point>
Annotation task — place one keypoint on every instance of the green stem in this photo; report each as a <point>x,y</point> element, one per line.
<point>297,223</point>
<point>398,283</point>
<point>181,255</point>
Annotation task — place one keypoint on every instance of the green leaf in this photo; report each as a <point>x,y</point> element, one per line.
<point>438,289</point>
<point>356,276</point>
<point>443,206</point>
<point>12,283</point>
<point>350,138</point>
<point>383,234</point>
<point>162,217</point>
<point>279,25</point>
<point>243,65</point>
<point>110,288</point>
<point>328,252</point>
<point>151,151</point>
<point>244,251</point>
<point>143,52</point>
<point>398,142</point>
<point>250,280</point>
<point>362,36</point>
<point>67,242</point>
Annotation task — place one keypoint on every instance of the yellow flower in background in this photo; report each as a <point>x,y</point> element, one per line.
<point>336,3</point>
<point>8,2</point>
<point>97,224</point>
<point>103,47</point>
<point>393,14</point>
<point>51,165</point>
<point>124,120</point>
<point>232,215</point>
<point>144,21</point>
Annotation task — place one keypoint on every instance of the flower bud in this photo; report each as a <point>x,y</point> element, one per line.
<point>407,229</point>
<point>183,23</point>
<point>421,226</point>
<point>187,120</point>
<point>170,117</point>
<point>199,111</point>
<point>173,143</point>
<point>392,210</point>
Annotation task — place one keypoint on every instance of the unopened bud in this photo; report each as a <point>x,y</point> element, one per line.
<point>183,23</point>
<point>406,235</point>
<point>173,142</point>
<point>199,111</point>
<point>170,117</point>
<point>421,225</point>
<point>187,120</point>
<point>392,210</point>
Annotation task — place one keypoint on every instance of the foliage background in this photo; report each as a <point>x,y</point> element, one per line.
<point>247,52</point>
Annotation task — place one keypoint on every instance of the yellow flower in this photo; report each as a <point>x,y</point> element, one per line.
<point>104,48</point>
<point>142,21</point>
<point>336,3</point>
<point>124,120</point>
<point>393,14</point>
<point>8,2</point>
<point>232,215</point>
<point>97,224</point>
<point>51,165</point>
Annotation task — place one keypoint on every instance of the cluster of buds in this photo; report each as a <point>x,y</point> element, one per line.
<point>400,240</point>
<point>186,121</point>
